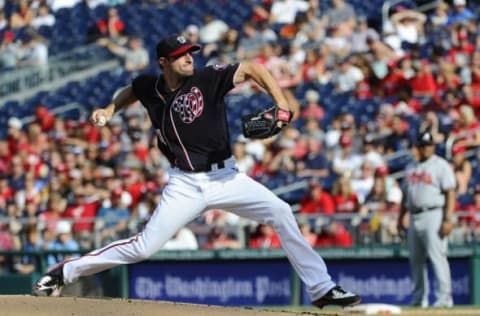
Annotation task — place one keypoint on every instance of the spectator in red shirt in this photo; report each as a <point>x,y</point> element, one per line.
<point>5,156</point>
<point>44,118</point>
<point>6,192</point>
<point>423,83</point>
<point>264,237</point>
<point>111,27</point>
<point>312,109</point>
<point>81,212</point>
<point>461,53</point>
<point>396,77</point>
<point>219,239</point>
<point>446,79</point>
<point>467,127</point>
<point>134,183</point>
<point>15,135</point>
<point>345,199</point>
<point>334,235</point>
<point>57,205</point>
<point>472,96</point>
<point>468,219</point>
<point>317,200</point>
<point>314,68</point>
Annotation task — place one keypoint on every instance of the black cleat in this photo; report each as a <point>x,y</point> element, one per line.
<point>337,296</point>
<point>51,283</point>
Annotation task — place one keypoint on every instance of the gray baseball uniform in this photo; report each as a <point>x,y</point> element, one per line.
<point>424,188</point>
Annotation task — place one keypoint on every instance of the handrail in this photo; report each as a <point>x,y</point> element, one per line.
<point>65,56</point>
<point>52,79</point>
<point>397,154</point>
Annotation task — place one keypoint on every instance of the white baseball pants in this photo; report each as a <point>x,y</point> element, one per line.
<point>184,198</point>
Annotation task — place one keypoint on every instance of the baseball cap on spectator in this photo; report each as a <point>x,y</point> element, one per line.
<point>125,172</point>
<point>64,227</point>
<point>462,35</point>
<point>346,140</point>
<point>175,46</point>
<point>117,192</point>
<point>346,125</point>
<point>368,139</point>
<point>373,37</point>
<point>381,171</point>
<point>460,2</point>
<point>105,172</point>
<point>361,18</point>
<point>425,139</point>
<point>76,150</point>
<point>286,144</point>
<point>29,199</point>
<point>192,29</point>
<point>314,183</point>
<point>312,96</point>
<point>458,149</point>
<point>476,190</point>
<point>14,122</point>
<point>61,167</point>
<point>75,174</point>
<point>150,186</point>
<point>8,36</point>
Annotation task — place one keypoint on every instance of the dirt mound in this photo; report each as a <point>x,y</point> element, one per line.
<point>15,305</point>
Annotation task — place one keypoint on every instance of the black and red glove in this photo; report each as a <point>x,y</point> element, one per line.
<point>265,123</point>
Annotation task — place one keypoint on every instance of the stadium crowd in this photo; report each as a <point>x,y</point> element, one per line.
<point>67,185</point>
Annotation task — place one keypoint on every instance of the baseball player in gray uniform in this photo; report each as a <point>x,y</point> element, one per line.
<point>429,196</point>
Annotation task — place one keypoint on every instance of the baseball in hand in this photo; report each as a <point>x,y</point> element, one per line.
<point>101,120</point>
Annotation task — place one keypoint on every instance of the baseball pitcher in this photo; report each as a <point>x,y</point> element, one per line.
<point>187,109</point>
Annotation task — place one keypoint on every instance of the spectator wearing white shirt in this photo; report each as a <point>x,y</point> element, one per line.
<point>341,16</point>
<point>362,182</point>
<point>56,5</point>
<point>371,153</point>
<point>134,54</point>
<point>348,77</point>
<point>346,161</point>
<point>212,29</point>
<point>245,162</point>
<point>43,18</point>
<point>184,239</point>
<point>409,25</point>
<point>284,11</point>
<point>34,51</point>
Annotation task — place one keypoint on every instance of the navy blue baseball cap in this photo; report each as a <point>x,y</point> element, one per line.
<point>425,139</point>
<point>175,46</point>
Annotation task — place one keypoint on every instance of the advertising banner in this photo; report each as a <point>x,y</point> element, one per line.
<point>389,281</point>
<point>229,283</point>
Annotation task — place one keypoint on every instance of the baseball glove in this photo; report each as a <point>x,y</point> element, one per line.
<point>265,123</point>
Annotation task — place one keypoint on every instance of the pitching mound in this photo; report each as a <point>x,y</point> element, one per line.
<point>15,305</point>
